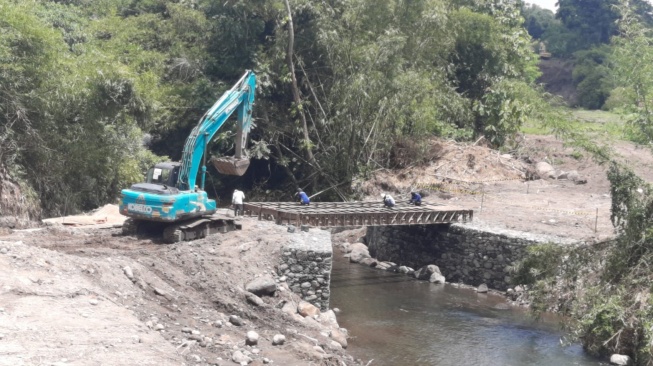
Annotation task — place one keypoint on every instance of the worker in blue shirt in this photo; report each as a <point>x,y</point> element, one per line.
<point>415,199</point>
<point>303,198</point>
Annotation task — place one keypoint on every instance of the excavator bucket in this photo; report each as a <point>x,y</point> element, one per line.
<point>230,165</point>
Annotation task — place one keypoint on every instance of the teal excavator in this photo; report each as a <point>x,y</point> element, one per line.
<point>169,197</point>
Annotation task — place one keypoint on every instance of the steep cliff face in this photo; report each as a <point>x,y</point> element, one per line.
<point>19,208</point>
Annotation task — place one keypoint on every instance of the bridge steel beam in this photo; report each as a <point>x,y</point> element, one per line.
<point>330,214</point>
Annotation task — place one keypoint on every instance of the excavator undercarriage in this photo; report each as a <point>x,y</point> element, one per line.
<point>197,228</point>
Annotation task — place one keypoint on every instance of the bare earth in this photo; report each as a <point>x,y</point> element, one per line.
<point>66,297</point>
<point>494,185</point>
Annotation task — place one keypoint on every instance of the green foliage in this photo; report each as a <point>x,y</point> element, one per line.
<point>591,76</point>
<point>633,72</point>
<point>88,79</point>
<point>541,262</point>
<point>506,107</point>
<point>537,20</point>
<point>607,289</point>
<point>593,20</point>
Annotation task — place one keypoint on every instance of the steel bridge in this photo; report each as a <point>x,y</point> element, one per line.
<point>329,214</point>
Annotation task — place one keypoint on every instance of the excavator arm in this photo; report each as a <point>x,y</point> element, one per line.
<point>239,98</point>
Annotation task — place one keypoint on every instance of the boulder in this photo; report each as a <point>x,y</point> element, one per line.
<point>358,252</point>
<point>253,299</point>
<point>426,272</point>
<point>236,320</point>
<point>621,360</point>
<point>251,339</point>
<point>289,308</point>
<point>239,358</point>
<point>339,337</point>
<point>406,270</point>
<point>437,278</point>
<point>385,265</point>
<point>544,170</point>
<point>278,339</point>
<point>369,262</point>
<point>482,289</point>
<point>328,318</point>
<point>307,309</point>
<point>262,286</point>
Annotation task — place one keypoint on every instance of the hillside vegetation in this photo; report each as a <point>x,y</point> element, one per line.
<point>94,92</point>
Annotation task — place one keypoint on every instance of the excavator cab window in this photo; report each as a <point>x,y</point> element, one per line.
<point>159,176</point>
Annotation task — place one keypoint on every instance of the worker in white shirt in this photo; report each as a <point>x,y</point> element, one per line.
<point>237,201</point>
<point>388,201</point>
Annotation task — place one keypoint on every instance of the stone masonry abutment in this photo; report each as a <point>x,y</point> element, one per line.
<point>465,253</point>
<point>306,266</point>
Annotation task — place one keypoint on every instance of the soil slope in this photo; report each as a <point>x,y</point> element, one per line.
<point>505,191</point>
<point>89,296</point>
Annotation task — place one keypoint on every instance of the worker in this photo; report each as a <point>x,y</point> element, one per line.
<point>303,198</point>
<point>388,201</point>
<point>237,201</point>
<point>415,199</point>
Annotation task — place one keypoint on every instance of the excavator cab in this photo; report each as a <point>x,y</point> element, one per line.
<point>163,174</point>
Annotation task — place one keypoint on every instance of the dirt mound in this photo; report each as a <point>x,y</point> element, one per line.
<point>106,216</point>
<point>463,163</point>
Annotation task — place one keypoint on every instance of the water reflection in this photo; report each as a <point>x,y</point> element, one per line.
<point>396,320</point>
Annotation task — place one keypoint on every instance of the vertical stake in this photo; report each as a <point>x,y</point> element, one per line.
<point>528,185</point>
<point>482,198</point>
<point>596,221</point>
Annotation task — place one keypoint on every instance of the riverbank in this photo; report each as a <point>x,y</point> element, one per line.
<point>92,296</point>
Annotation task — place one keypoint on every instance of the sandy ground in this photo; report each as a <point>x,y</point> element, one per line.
<point>494,185</point>
<point>66,298</point>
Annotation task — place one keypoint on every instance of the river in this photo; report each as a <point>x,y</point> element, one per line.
<point>396,320</point>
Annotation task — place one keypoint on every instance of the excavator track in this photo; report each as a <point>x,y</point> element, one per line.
<point>193,229</point>
<point>198,228</point>
<point>130,227</point>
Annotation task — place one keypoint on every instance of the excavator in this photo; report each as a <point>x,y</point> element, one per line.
<point>169,198</point>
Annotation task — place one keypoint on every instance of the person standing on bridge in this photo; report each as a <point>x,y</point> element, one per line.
<point>415,199</point>
<point>303,198</point>
<point>388,201</point>
<point>237,201</point>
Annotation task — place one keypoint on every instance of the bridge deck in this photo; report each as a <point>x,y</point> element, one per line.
<point>326,214</point>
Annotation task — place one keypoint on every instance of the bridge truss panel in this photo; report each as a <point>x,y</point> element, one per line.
<point>330,214</point>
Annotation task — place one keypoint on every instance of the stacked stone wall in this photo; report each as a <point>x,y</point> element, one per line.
<point>464,253</point>
<point>306,266</point>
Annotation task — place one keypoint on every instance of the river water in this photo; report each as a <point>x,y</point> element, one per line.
<point>396,320</point>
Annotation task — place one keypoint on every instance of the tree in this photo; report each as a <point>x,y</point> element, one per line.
<point>593,20</point>
<point>537,20</point>
<point>591,76</point>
